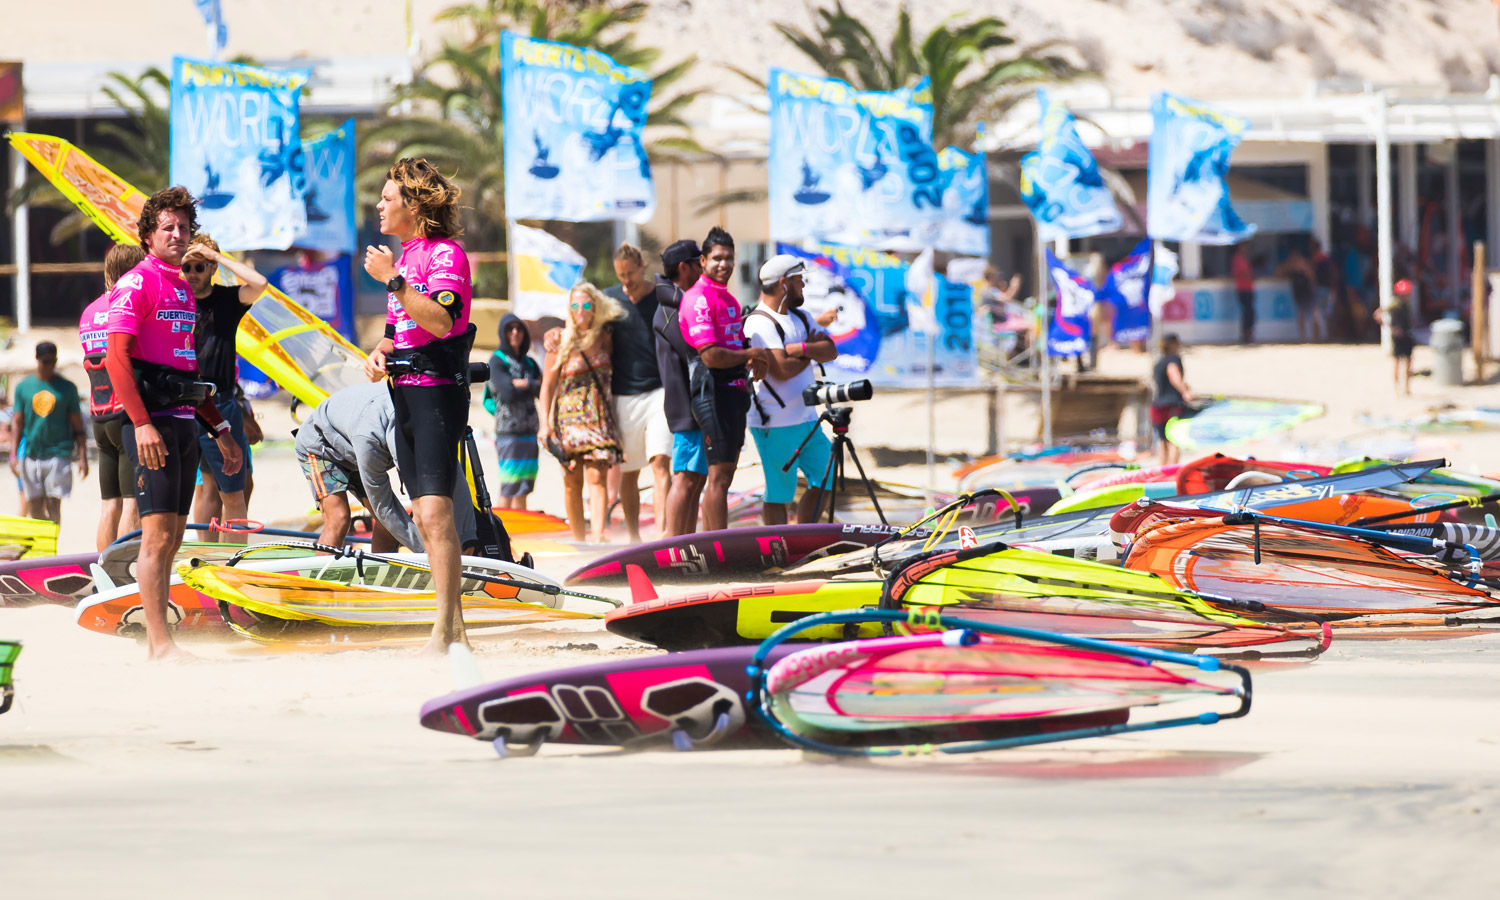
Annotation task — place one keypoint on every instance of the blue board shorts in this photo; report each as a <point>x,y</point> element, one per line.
<point>213,459</point>
<point>776,446</point>
<point>688,452</point>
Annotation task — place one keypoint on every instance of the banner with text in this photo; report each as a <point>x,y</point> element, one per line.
<point>965,226</point>
<point>329,201</point>
<point>1060,182</point>
<point>1069,332</point>
<point>573,134</point>
<point>237,146</point>
<point>900,360</point>
<point>852,167</point>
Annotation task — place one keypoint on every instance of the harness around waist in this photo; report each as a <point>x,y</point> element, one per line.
<point>163,387</point>
<point>444,358</point>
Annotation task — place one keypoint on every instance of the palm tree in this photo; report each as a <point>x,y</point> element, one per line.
<point>971,82</point>
<point>460,128</point>
<point>137,149</point>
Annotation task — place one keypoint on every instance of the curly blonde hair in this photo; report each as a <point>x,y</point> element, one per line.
<point>432,198</point>
<point>606,310</point>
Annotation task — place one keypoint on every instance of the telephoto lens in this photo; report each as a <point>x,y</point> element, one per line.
<point>479,372</point>
<point>824,392</point>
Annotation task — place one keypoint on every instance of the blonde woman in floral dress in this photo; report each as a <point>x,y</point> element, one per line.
<point>577,409</point>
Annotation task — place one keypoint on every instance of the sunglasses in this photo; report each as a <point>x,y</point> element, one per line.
<point>196,268</point>
<point>588,304</point>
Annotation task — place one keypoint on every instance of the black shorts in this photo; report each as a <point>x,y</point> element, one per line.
<point>116,471</point>
<point>170,488</point>
<point>430,423</point>
<point>731,406</point>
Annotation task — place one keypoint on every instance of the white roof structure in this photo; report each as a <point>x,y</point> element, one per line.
<point>339,84</point>
<point>1330,113</point>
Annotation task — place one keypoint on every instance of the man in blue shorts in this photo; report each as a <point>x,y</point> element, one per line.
<point>780,420</point>
<point>681,265</point>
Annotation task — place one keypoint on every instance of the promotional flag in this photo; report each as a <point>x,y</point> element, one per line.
<point>1125,290</point>
<point>545,269</point>
<point>901,360</point>
<point>852,167</point>
<point>829,284</point>
<point>965,226</point>
<point>1068,333</point>
<point>329,199</point>
<point>237,146</point>
<point>1060,182</point>
<point>212,12</point>
<point>1187,198</point>
<point>573,134</point>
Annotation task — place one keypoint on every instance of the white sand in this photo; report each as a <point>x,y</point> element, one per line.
<point>1370,772</point>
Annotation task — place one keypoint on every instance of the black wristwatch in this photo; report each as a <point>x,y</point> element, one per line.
<point>396,284</point>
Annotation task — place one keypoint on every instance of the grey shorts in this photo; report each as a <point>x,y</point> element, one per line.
<point>52,478</point>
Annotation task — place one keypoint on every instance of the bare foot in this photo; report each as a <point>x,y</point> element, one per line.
<point>435,646</point>
<point>170,653</point>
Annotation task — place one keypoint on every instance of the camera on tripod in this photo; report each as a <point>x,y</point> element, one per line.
<point>829,393</point>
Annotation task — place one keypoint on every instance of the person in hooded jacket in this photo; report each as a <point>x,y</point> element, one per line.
<point>515,383</point>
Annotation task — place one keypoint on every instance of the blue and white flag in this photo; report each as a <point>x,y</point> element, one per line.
<point>237,146</point>
<point>573,134</point>
<point>1125,289</point>
<point>329,200</point>
<point>1060,182</point>
<point>1069,332</point>
<point>212,12</point>
<point>1187,198</point>
<point>965,226</point>
<point>851,167</point>
<point>830,284</point>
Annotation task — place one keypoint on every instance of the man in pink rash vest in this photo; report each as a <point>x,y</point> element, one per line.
<point>425,353</point>
<point>710,321</point>
<point>116,473</point>
<point>153,369</point>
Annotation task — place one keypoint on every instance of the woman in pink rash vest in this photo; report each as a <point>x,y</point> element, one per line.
<point>116,473</point>
<point>425,353</point>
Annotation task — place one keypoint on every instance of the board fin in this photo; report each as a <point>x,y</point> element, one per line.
<point>641,588</point>
<point>465,667</point>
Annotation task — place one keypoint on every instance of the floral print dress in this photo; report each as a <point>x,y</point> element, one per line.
<point>583,422</point>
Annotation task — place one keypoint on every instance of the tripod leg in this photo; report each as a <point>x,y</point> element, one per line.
<point>869,488</point>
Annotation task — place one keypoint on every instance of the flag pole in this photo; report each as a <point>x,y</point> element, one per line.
<point>1042,283</point>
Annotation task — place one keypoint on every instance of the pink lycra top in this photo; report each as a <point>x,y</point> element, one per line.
<point>439,268</point>
<point>710,316</point>
<point>154,303</point>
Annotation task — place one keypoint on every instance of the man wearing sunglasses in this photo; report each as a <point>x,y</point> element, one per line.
<point>220,309</point>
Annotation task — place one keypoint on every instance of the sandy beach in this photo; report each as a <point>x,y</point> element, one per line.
<point>1370,772</point>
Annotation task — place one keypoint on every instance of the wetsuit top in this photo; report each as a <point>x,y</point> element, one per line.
<point>95,340</point>
<point>672,355</point>
<point>711,317</point>
<point>439,268</point>
<point>154,303</point>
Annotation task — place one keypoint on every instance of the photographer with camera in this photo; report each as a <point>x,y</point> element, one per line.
<point>782,422</point>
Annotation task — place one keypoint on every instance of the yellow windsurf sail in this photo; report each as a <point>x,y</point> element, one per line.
<point>22,538</point>
<point>301,352</point>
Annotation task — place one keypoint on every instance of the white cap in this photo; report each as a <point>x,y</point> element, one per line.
<point>782,265</point>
